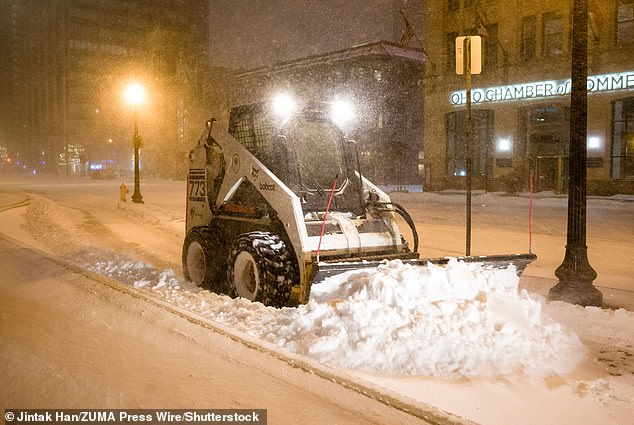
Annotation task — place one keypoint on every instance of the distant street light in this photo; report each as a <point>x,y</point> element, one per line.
<point>134,95</point>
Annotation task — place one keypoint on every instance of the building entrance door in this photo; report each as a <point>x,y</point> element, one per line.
<point>548,134</point>
<point>550,173</point>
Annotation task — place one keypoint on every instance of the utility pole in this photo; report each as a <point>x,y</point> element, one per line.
<point>575,273</point>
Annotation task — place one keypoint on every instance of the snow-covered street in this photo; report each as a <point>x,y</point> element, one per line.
<point>492,352</point>
<point>69,342</point>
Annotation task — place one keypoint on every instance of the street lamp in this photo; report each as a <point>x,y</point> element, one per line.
<point>575,273</point>
<point>134,95</point>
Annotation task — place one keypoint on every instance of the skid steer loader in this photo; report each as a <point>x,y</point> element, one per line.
<point>280,202</point>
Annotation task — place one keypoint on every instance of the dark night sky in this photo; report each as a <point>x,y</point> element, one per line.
<point>248,34</point>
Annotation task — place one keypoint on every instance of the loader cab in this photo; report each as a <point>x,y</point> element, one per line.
<point>315,146</point>
<point>306,149</point>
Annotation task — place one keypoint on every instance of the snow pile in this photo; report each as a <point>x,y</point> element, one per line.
<point>51,223</point>
<point>459,320</point>
<point>122,268</point>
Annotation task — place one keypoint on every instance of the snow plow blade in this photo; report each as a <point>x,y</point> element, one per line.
<point>327,269</point>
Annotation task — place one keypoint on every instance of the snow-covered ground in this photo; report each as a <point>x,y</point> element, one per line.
<point>479,343</point>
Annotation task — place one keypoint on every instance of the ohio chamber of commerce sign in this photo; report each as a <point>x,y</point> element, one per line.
<point>543,89</point>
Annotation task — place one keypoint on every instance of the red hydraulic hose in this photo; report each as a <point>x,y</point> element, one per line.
<point>323,224</point>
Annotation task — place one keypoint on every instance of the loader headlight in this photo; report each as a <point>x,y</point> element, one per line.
<point>341,111</point>
<point>284,105</point>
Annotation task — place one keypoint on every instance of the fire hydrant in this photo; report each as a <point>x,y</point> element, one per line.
<point>123,191</point>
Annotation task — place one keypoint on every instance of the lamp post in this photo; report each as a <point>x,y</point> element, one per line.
<point>134,95</point>
<point>575,273</point>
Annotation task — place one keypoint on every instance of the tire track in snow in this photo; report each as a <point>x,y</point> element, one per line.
<point>14,205</point>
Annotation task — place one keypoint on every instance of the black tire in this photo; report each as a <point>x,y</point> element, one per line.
<point>204,258</point>
<point>260,269</point>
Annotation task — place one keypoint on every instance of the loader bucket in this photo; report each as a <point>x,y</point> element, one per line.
<point>323,270</point>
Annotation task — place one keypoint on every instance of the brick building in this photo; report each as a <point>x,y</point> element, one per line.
<point>521,102</point>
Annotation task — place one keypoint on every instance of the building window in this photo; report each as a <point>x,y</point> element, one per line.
<point>451,51</point>
<point>625,23</point>
<point>482,121</point>
<point>623,139</point>
<point>453,5</point>
<point>490,46</point>
<point>553,35</point>
<point>548,131</point>
<point>528,41</point>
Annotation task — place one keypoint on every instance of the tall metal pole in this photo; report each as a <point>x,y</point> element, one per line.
<point>467,65</point>
<point>136,140</point>
<point>575,273</point>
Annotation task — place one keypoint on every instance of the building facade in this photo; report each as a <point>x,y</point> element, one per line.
<point>67,63</point>
<point>383,83</point>
<point>521,102</point>
<point>245,37</point>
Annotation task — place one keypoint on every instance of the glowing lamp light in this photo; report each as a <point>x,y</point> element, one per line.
<point>504,145</point>
<point>594,143</point>
<point>134,94</point>
<point>284,105</point>
<point>341,111</point>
